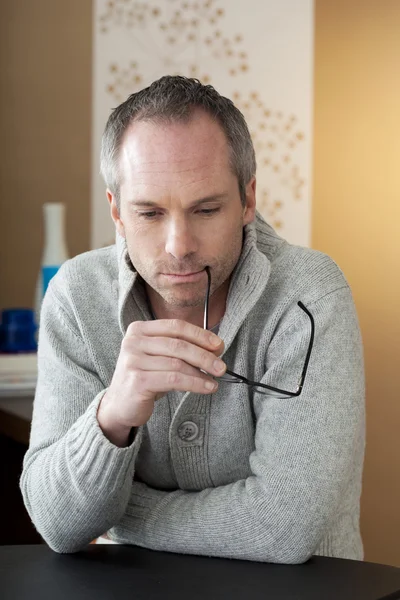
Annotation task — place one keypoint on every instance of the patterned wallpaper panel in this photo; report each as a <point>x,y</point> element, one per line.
<point>257,53</point>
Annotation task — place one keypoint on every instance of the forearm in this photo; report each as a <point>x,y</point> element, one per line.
<point>243,520</point>
<point>77,487</point>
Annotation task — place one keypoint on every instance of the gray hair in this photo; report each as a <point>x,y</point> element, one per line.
<point>174,98</point>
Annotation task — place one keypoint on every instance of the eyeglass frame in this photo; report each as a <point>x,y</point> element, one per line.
<point>240,379</point>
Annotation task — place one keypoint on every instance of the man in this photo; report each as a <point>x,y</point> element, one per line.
<point>139,433</point>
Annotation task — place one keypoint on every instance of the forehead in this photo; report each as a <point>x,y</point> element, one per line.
<point>174,152</point>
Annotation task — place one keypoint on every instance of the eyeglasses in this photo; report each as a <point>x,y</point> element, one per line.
<point>231,377</point>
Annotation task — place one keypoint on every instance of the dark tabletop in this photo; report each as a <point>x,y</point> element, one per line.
<point>111,571</point>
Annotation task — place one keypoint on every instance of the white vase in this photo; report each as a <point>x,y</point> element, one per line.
<point>54,249</point>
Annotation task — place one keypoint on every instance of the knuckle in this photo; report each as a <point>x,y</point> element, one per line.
<point>130,361</point>
<point>177,345</point>
<point>125,345</point>
<point>176,364</point>
<point>129,345</point>
<point>175,325</point>
<point>198,334</point>
<point>173,378</point>
<point>134,328</point>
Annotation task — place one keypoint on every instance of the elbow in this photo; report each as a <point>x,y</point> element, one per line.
<point>60,536</point>
<point>55,530</point>
<point>293,556</point>
<point>289,544</point>
<point>63,544</point>
<point>295,545</point>
<point>277,553</point>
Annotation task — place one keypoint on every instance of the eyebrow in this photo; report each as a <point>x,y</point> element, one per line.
<point>151,204</point>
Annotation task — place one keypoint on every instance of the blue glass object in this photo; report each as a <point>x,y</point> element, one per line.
<point>17,331</point>
<point>47,274</point>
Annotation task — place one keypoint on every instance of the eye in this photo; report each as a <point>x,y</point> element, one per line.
<point>208,211</point>
<point>151,214</point>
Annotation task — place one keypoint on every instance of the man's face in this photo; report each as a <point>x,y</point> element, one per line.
<point>180,208</point>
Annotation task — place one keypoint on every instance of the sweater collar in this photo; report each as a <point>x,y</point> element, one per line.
<point>248,281</point>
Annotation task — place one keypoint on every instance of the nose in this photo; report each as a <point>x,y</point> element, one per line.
<point>180,241</point>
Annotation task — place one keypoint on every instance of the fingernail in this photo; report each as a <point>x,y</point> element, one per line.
<point>219,366</point>
<point>214,339</point>
<point>209,385</point>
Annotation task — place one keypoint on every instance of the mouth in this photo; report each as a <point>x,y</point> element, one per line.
<point>184,277</point>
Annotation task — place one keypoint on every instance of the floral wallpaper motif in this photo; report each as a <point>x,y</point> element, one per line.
<point>195,39</point>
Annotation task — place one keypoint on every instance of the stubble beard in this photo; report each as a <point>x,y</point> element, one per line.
<point>193,296</point>
<point>220,272</point>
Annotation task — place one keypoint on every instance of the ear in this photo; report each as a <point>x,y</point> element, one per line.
<point>249,211</point>
<point>115,213</point>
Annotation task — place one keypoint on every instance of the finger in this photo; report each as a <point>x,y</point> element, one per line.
<point>146,362</point>
<point>183,350</point>
<point>166,381</point>
<point>176,328</point>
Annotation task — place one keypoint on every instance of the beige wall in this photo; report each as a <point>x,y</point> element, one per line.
<point>356,219</point>
<point>45,114</point>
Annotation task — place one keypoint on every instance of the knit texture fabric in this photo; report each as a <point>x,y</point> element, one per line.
<point>264,479</point>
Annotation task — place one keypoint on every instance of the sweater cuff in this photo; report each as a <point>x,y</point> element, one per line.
<point>98,460</point>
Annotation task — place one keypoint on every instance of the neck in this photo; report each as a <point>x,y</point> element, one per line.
<point>191,314</point>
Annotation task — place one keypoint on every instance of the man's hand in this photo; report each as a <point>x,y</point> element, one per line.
<point>155,358</point>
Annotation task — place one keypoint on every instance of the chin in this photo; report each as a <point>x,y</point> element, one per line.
<point>183,301</point>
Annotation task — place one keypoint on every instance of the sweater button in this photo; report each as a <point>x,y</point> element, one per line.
<point>188,431</point>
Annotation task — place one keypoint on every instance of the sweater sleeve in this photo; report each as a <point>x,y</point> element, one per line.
<point>75,482</point>
<point>307,451</point>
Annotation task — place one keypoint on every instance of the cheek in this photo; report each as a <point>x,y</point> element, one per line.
<point>144,245</point>
<point>138,231</point>
<point>232,229</point>
<point>225,247</point>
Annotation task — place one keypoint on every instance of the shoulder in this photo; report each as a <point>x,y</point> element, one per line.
<point>87,275</point>
<point>297,269</point>
<point>307,269</point>
<point>299,272</point>
<point>306,273</point>
<point>299,266</point>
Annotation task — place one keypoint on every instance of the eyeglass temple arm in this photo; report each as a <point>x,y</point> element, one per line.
<point>310,345</point>
<point>206,302</point>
